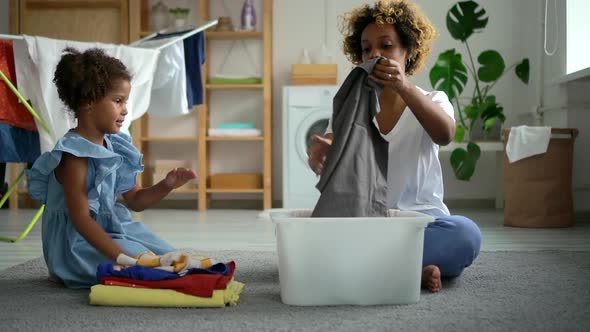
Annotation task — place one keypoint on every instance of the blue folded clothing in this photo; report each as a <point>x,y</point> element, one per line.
<point>237,125</point>
<point>149,273</point>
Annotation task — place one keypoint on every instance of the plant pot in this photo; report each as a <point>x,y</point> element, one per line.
<point>180,22</point>
<point>478,134</point>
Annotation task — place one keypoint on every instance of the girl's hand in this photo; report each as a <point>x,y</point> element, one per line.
<point>317,153</point>
<point>390,73</point>
<point>179,176</point>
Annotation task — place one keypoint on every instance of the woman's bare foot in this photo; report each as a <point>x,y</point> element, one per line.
<point>431,278</point>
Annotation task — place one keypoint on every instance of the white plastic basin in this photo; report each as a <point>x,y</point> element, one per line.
<point>349,261</point>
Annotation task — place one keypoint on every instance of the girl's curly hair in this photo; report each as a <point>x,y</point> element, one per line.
<point>85,78</point>
<point>415,30</point>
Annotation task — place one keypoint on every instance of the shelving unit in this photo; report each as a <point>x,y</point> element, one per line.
<point>206,143</point>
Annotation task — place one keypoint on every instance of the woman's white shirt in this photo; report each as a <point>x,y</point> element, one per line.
<point>414,174</point>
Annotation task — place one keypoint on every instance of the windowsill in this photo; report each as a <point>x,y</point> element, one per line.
<point>580,75</point>
<point>483,145</point>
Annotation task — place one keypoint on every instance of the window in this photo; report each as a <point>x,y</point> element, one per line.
<point>578,29</point>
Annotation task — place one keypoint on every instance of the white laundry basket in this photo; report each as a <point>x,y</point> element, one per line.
<point>349,261</point>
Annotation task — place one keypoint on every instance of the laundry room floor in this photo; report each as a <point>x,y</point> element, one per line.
<point>247,230</point>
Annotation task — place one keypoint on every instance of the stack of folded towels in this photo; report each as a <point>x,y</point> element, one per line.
<point>235,129</point>
<point>176,279</point>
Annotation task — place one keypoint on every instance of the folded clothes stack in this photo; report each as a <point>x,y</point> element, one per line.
<point>173,280</point>
<point>235,129</point>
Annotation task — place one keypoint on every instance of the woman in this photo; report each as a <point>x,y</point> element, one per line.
<point>414,122</point>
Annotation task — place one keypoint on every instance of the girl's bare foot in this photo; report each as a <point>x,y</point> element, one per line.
<point>431,278</point>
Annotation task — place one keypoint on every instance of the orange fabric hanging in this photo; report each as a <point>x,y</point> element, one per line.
<point>12,111</point>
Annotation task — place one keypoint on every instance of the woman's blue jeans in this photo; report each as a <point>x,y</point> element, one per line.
<point>452,243</point>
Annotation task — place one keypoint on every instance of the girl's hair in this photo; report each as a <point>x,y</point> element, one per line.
<point>85,78</point>
<point>415,30</point>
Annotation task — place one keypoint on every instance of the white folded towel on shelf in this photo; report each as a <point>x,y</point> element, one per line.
<point>525,141</point>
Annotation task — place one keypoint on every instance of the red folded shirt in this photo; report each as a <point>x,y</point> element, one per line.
<point>201,285</point>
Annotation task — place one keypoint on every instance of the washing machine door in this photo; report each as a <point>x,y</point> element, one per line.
<point>315,124</point>
<point>301,179</point>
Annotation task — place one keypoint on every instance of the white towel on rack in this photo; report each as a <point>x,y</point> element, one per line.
<point>36,60</point>
<point>525,141</point>
<point>169,89</point>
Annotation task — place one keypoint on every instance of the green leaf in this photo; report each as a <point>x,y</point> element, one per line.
<point>459,133</point>
<point>457,157</point>
<point>473,150</point>
<point>489,123</point>
<point>471,111</point>
<point>491,99</point>
<point>464,161</point>
<point>449,74</point>
<point>522,71</point>
<point>491,109</point>
<point>492,66</point>
<point>463,19</point>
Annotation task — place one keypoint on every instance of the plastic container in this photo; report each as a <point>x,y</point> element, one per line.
<point>349,261</point>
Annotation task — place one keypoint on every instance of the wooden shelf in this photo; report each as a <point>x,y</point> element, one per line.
<point>235,138</point>
<point>234,86</point>
<point>186,191</point>
<point>233,34</point>
<point>235,191</point>
<point>221,34</point>
<point>143,34</point>
<point>169,139</point>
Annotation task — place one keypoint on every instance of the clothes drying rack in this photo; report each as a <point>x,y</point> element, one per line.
<point>176,35</point>
<point>179,34</point>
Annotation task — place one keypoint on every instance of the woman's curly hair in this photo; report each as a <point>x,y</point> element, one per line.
<point>85,78</point>
<point>415,30</point>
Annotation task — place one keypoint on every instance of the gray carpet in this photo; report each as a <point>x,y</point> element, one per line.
<point>502,291</point>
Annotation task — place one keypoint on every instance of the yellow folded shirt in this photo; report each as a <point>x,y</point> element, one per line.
<point>148,297</point>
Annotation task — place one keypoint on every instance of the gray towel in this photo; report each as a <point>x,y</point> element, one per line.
<point>354,180</point>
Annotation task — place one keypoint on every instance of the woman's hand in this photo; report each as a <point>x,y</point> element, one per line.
<point>179,176</point>
<point>317,152</point>
<point>390,73</point>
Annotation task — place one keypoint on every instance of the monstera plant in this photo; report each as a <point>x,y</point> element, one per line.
<point>450,74</point>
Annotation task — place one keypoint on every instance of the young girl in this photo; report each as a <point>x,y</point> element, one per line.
<point>414,122</point>
<point>89,168</point>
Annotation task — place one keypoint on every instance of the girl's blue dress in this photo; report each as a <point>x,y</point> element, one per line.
<point>112,171</point>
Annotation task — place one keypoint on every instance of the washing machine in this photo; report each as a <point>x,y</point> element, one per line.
<point>306,112</point>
